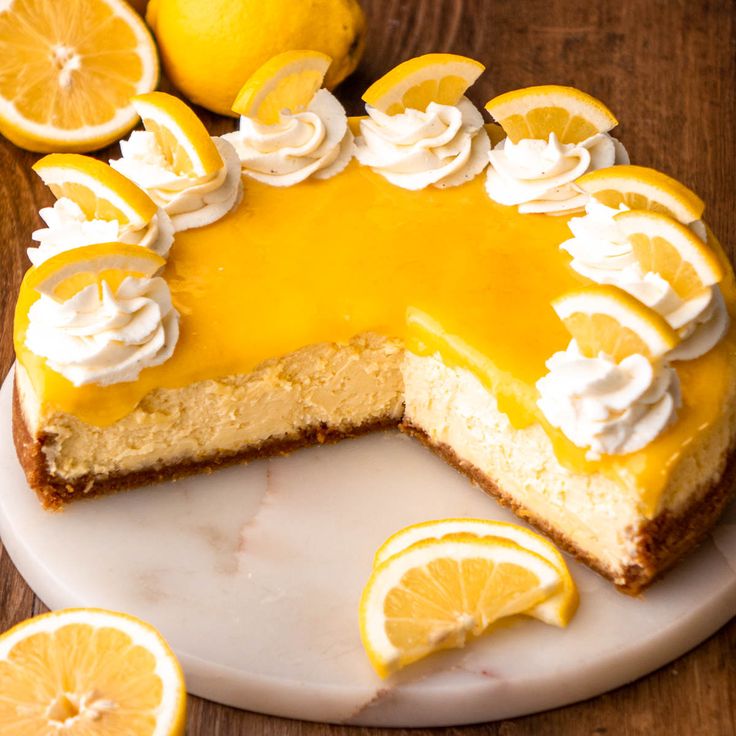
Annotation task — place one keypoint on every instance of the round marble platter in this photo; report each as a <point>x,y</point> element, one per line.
<point>254,573</point>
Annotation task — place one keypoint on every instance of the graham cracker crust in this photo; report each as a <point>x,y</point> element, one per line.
<point>54,492</point>
<point>660,542</point>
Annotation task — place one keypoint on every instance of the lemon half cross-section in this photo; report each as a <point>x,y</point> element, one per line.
<point>288,81</point>
<point>100,191</point>
<point>605,319</point>
<point>668,248</point>
<point>68,71</point>
<point>89,672</point>
<point>642,188</point>
<point>439,593</point>
<point>556,610</point>
<point>536,112</point>
<point>67,273</point>
<point>441,78</point>
<point>183,139</point>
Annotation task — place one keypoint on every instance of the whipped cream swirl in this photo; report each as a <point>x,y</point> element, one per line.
<point>601,252</point>
<point>190,201</point>
<point>610,408</point>
<point>67,228</point>
<point>538,175</point>
<point>443,146</point>
<point>102,337</point>
<point>316,142</point>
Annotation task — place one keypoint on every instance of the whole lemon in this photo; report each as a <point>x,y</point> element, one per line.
<point>209,48</point>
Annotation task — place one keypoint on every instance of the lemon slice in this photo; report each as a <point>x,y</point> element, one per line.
<point>438,593</point>
<point>67,273</point>
<point>287,81</point>
<point>441,78</point>
<point>101,192</point>
<point>86,671</point>
<point>184,140</point>
<point>67,73</point>
<point>642,188</point>
<point>666,247</point>
<point>605,319</point>
<point>557,610</point>
<point>535,112</point>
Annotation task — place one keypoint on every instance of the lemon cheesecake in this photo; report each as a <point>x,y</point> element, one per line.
<point>550,319</point>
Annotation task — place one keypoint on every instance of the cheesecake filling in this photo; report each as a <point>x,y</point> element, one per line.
<point>190,201</point>
<point>103,337</point>
<point>538,175</point>
<point>67,228</point>
<point>607,407</point>
<point>601,252</point>
<point>316,142</point>
<point>443,146</point>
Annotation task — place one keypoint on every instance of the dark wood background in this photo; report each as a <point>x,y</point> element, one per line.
<point>667,68</point>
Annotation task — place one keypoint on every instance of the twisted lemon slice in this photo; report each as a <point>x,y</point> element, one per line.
<point>441,78</point>
<point>89,672</point>
<point>556,610</point>
<point>535,112</point>
<point>287,81</point>
<point>184,140</point>
<point>642,188</point>
<point>438,593</point>
<point>605,319</point>
<point>666,247</point>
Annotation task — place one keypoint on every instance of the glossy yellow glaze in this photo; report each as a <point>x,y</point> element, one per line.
<point>326,260</point>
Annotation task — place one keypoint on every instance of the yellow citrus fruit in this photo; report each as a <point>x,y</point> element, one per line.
<point>89,672</point>
<point>210,48</point>
<point>288,81</point>
<point>184,140</point>
<point>535,112</point>
<point>101,192</point>
<point>642,188</point>
<point>438,593</point>
<point>441,78</point>
<point>556,610</point>
<point>605,319</point>
<point>67,273</point>
<point>68,71</point>
<point>668,248</point>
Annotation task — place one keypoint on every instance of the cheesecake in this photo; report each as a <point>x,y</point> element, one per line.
<point>407,285</point>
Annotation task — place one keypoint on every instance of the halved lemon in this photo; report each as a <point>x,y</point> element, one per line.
<point>441,78</point>
<point>556,610</point>
<point>67,273</point>
<point>605,319</point>
<point>438,593</point>
<point>68,71</point>
<point>184,140</point>
<point>642,188</point>
<point>535,112</point>
<point>287,81</point>
<point>668,248</point>
<point>101,192</point>
<point>85,671</point>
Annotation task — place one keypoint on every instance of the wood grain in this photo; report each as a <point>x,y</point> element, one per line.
<point>668,67</point>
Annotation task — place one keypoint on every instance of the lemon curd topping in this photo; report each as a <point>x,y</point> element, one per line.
<point>326,260</point>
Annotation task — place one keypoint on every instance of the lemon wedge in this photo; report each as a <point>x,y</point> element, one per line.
<point>605,319</point>
<point>287,81</point>
<point>439,593</point>
<point>557,610</point>
<point>184,140</point>
<point>441,78</point>
<point>536,112</point>
<point>89,672</point>
<point>642,188</point>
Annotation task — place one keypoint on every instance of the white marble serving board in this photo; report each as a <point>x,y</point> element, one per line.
<point>254,574</point>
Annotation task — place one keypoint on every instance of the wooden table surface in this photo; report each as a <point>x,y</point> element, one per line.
<point>667,68</point>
